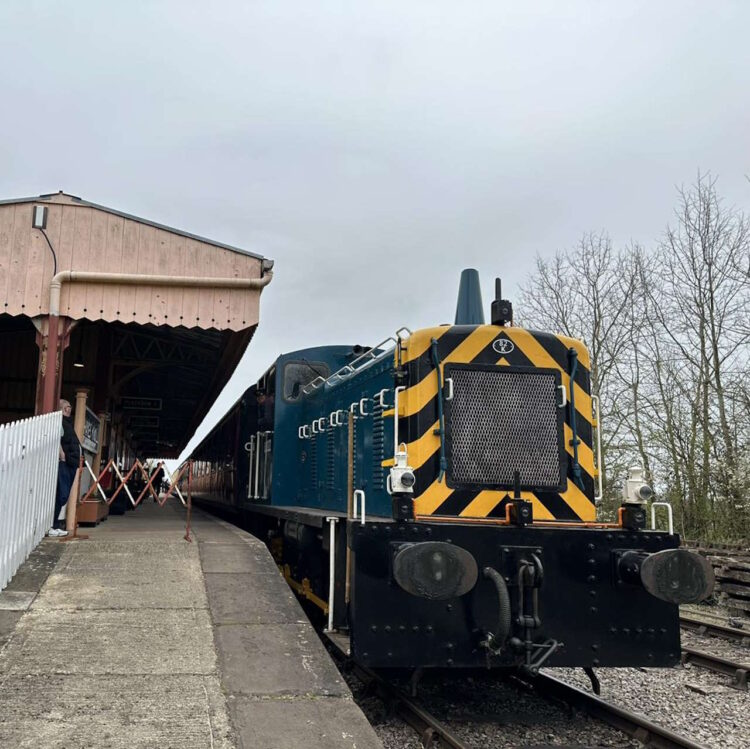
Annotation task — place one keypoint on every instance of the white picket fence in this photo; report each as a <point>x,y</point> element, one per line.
<point>29,451</point>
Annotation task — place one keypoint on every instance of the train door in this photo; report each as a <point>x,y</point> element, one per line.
<point>260,443</point>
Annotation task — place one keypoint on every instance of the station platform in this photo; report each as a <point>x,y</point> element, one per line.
<point>137,638</point>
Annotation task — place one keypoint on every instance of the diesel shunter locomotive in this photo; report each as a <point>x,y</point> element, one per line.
<point>436,497</point>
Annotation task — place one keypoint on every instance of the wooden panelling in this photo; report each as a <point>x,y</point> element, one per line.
<point>175,264</point>
<point>130,241</point>
<point>90,238</point>
<point>6,246</point>
<point>113,261</point>
<point>19,261</point>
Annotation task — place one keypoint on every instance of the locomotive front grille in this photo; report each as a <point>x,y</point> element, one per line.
<point>502,420</point>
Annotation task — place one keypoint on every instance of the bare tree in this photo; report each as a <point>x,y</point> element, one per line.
<point>669,336</point>
<point>586,293</point>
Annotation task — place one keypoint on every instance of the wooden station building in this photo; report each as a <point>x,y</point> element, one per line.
<point>140,324</point>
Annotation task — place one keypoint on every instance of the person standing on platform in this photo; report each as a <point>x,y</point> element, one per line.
<point>70,455</point>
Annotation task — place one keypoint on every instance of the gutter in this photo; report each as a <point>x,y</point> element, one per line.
<point>126,279</point>
<point>134,279</point>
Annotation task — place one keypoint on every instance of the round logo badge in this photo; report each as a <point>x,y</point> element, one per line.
<point>503,345</point>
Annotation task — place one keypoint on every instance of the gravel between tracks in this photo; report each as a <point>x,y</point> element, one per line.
<point>485,712</point>
<point>732,651</point>
<point>688,700</point>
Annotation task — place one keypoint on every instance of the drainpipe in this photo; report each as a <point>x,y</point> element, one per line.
<point>125,279</point>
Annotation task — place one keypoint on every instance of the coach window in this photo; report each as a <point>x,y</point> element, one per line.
<point>299,374</point>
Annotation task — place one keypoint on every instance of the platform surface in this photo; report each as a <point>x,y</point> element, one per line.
<point>137,638</point>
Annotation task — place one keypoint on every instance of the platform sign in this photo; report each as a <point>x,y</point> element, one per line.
<point>90,440</point>
<point>144,422</point>
<point>133,403</point>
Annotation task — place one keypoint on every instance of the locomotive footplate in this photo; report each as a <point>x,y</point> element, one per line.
<point>469,595</point>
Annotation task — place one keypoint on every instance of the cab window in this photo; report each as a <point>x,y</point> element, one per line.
<point>299,374</point>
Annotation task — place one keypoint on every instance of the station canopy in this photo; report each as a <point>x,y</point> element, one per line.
<point>150,321</point>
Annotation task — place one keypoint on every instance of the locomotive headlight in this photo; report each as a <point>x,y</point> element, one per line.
<point>408,479</point>
<point>645,492</point>
<point>636,490</point>
<point>434,570</point>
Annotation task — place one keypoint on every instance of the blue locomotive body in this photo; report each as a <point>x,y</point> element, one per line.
<point>297,449</point>
<point>435,496</point>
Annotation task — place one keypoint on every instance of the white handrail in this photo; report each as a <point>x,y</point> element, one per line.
<point>364,360</point>
<point>251,460</point>
<point>449,386</point>
<point>670,524</point>
<point>359,493</point>
<point>29,451</point>
<point>380,397</point>
<point>257,464</point>
<point>331,569</point>
<point>396,391</point>
<point>599,467</point>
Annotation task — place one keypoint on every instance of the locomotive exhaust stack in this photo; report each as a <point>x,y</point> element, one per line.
<point>469,309</point>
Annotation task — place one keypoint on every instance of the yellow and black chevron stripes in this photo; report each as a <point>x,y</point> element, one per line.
<point>418,418</point>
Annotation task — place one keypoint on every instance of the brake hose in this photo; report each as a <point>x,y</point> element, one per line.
<point>441,419</point>
<point>497,640</point>
<point>573,362</point>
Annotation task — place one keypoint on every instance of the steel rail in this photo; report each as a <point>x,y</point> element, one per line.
<point>432,732</point>
<point>719,630</point>
<point>628,722</point>
<point>710,662</point>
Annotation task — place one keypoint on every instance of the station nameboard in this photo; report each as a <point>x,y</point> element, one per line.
<point>90,439</point>
<point>143,422</point>
<point>132,403</point>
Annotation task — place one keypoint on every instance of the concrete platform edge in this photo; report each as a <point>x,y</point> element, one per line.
<point>283,690</point>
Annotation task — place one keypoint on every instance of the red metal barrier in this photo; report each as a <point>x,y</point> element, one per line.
<point>174,479</point>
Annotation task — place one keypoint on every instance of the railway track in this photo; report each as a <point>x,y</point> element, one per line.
<point>631,723</point>
<point>434,733</point>
<point>717,630</point>
<point>737,671</point>
<point>718,665</point>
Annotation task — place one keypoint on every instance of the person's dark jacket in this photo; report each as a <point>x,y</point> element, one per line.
<point>70,444</point>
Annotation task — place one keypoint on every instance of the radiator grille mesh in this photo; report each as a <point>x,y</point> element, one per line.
<point>501,422</point>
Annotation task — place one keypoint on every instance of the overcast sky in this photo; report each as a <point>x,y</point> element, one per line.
<point>373,149</point>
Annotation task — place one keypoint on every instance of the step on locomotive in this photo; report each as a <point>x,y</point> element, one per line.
<point>436,497</point>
